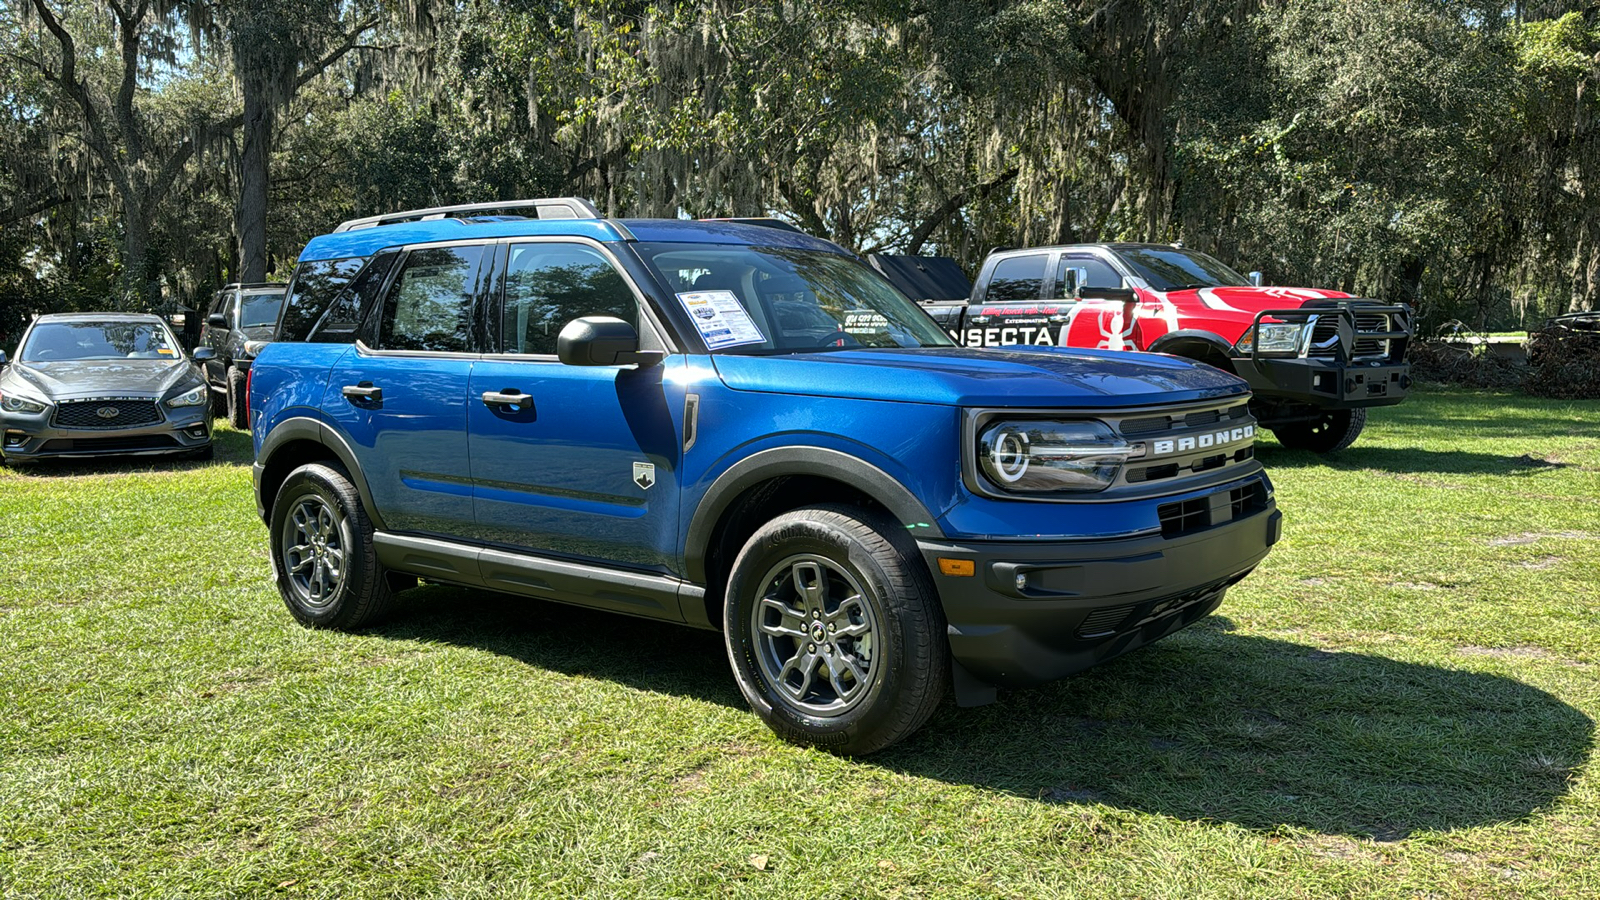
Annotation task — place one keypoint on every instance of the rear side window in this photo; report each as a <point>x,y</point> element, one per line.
<point>429,306</point>
<point>1017,279</point>
<point>317,284</point>
<point>549,285</point>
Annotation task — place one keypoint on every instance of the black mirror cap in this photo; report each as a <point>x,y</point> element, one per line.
<point>217,320</point>
<point>201,354</point>
<point>602,341</point>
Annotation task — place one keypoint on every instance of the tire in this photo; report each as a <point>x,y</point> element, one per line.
<point>1334,431</point>
<point>238,403</point>
<point>878,666</point>
<point>322,554</point>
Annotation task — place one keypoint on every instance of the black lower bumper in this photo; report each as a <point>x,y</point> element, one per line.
<point>1325,383</point>
<point>1034,612</point>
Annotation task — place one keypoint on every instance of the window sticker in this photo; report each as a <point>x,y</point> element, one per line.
<point>720,318</point>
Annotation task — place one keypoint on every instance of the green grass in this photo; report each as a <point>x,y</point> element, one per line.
<point>1400,701</point>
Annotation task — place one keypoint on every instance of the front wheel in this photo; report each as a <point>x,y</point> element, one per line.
<point>833,629</point>
<point>1331,432</point>
<point>322,553</point>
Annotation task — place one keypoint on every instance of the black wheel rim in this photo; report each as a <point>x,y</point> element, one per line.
<point>315,543</point>
<point>815,631</point>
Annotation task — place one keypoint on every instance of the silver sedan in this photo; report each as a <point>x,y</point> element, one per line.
<point>99,384</point>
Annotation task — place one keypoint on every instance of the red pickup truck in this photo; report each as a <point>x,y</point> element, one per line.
<point>1315,359</point>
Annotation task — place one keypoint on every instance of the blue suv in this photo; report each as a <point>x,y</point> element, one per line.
<point>738,427</point>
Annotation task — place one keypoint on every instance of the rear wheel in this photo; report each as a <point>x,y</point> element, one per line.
<point>322,553</point>
<point>238,403</point>
<point>1331,432</point>
<point>833,629</point>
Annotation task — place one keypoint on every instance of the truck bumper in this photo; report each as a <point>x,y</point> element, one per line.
<point>1035,612</point>
<point>1325,383</point>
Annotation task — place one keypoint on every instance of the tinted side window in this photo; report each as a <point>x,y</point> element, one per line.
<point>1096,273</point>
<point>548,285</point>
<point>316,285</point>
<point>341,322</point>
<point>429,307</point>
<point>1017,279</point>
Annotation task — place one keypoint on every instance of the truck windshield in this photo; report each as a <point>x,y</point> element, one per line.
<point>782,299</point>
<point>260,309</point>
<point>1173,269</point>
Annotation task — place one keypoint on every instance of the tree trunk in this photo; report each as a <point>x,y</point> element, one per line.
<point>141,292</point>
<point>250,222</point>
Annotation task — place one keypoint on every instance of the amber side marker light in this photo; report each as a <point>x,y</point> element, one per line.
<point>964,567</point>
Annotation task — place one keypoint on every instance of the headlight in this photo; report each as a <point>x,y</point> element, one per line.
<point>194,397</point>
<point>1276,337</point>
<point>14,403</point>
<point>1030,456</point>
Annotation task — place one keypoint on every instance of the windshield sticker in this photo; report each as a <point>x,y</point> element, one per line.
<point>720,318</point>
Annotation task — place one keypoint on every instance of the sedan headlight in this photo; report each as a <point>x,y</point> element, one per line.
<point>193,397</point>
<point>1274,337</point>
<point>14,403</point>
<point>1031,456</point>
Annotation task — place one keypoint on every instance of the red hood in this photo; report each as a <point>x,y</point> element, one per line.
<point>1244,301</point>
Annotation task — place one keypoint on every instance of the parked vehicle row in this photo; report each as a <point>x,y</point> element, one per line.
<point>729,426</point>
<point>240,315</point>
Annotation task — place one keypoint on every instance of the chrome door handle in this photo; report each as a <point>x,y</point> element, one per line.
<point>507,398</point>
<point>363,391</point>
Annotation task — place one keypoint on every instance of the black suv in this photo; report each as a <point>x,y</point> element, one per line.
<point>239,314</point>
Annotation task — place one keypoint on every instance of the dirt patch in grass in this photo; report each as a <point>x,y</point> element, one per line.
<point>1531,537</point>
<point>1522,652</point>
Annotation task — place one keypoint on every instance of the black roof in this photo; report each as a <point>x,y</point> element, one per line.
<point>924,278</point>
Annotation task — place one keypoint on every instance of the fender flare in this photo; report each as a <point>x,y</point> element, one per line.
<point>305,428</point>
<point>780,461</point>
<point>1210,339</point>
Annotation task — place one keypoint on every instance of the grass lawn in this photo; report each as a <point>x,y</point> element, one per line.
<point>1400,701</point>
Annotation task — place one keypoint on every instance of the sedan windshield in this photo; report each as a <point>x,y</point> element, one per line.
<point>783,299</point>
<point>58,341</point>
<point>260,309</point>
<point>1174,269</point>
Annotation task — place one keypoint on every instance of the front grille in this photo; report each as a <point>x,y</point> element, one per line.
<point>1103,622</point>
<point>1197,513</point>
<point>1147,425</point>
<point>87,414</point>
<point>110,444</point>
<point>1325,333</point>
<point>1142,474</point>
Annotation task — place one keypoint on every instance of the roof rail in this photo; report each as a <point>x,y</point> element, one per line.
<point>544,208</point>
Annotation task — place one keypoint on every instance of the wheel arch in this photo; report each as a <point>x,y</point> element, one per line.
<point>772,482</point>
<point>1192,343</point>
<point>295,442</point>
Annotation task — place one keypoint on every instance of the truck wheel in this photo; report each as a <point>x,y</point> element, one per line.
<point>834,631</point>
<point>1334,431</point>
<point>238,403</point>
<point>322,555</point>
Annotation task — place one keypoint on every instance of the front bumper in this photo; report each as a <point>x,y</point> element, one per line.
<point>1326,383</point>
<point>1035,612</point>
<point>25,437</point>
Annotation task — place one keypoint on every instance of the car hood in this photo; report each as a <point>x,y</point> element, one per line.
<point>72,379</point>
<point>956,376</point>
<point>1244,301</point>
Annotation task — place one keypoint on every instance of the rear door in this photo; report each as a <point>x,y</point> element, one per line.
<point>401,394</point>
<point>1009,310</point>
<point>573,461</point>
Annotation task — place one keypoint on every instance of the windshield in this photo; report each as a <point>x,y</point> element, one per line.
<point>1172,269</point>
<point>260,309</point>
<point>57,341</point>
<point>782,299</point>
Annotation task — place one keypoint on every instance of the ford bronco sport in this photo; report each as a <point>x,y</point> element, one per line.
<point>736,427</point>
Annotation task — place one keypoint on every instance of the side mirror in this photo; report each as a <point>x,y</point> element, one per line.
<point>602,341</point>
<point>1255,278</point>
<point>201,354</point>
<point>217,320</point>
<point>1071,281</point>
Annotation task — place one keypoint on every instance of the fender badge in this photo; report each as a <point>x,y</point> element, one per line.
<point>644,474</point>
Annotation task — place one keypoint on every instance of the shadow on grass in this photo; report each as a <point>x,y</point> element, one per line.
<point>1207,725</point>
<point>1451,462</point>
<point>229,448</point>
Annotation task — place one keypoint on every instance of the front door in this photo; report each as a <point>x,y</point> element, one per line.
<point>402,399</point>
<point>573,461</point>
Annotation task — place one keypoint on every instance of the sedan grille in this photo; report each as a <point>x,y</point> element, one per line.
<point>106,414</point>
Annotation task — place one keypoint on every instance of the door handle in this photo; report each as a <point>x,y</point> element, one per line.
<point>365,391</point>
<point>510,397</point>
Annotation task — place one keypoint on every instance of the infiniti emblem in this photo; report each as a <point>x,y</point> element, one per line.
<point>108,412</point>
